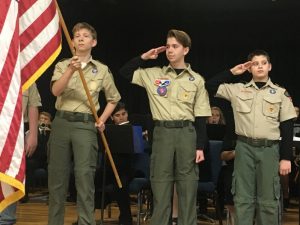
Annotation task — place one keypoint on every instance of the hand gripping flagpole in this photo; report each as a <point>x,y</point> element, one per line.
<point>92,105</point>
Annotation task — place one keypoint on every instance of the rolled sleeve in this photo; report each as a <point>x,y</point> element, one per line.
<point>225,91</point>
<point>202,106</point>
<point>287,110</point>
<point>111,92</point>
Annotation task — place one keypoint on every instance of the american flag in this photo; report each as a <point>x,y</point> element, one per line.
<point>30,40</point>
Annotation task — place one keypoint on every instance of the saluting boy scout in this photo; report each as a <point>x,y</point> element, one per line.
<point>263,112</point>
<point>179,104</point>
<point>73,129</point>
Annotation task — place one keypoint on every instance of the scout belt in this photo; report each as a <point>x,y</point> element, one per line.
<point>75,116</point>
<point>172,123</point>
<point>257,142</point>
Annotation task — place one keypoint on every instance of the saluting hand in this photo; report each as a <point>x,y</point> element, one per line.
<point>153,53</point>
<point>199,156</point>
<point>241,68</point>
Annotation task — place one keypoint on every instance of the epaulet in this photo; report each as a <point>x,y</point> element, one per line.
<point>98,61</point>
<point>277,85</point>
<point>285,91</point>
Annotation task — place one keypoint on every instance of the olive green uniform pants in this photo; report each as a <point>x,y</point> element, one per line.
<point>78,140</point>
<point>173,160</point>
<point>256,184</point>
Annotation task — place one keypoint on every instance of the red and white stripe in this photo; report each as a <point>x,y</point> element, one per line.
<point>30,40</point>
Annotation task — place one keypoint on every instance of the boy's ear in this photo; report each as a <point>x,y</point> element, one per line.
<point>270,66</point>
<point>94,43</point>
<point>186,50</point>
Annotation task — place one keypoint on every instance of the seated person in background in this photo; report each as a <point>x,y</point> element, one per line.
<point>225,176</point>
<point>215,126</point>
<point>43,136</point>
<point>216,117</point>
<point>39,158</point>
<point>124,166</point>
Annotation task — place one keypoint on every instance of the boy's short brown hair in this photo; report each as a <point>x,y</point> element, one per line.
<point>84,25</point>
<point>46,114</point>
<point>258,52</point>
<point>181,36</point>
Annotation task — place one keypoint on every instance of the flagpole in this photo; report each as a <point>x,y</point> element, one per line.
<point>92,105</point>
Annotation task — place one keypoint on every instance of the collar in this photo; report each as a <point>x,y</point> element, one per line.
<point>187,69</point>
<point>92,61</point>
<point>268,83</point>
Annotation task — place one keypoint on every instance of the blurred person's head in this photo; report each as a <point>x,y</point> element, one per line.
<point>120,114</point>
<point>216,117</point>
<point>45,118</point>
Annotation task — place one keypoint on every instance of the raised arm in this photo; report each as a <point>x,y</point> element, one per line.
<point>128,69</point>
<point>226,76</point>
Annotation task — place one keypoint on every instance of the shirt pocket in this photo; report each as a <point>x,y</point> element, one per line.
<point>186,93</point>
<point>72,83</point>
<point>95,84</point>
<point>244,102</point>
<point>271,106</point>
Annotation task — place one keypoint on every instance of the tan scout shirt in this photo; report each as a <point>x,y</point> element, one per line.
<point>258,112</point>
<point>97,76</point>
<point>30,97</point>
<point>186,96</point>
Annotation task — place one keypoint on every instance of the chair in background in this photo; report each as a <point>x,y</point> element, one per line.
<point>140,185</point>
<point>215,148</point>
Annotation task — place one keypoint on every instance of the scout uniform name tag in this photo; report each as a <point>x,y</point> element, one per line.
<point>162,86</point>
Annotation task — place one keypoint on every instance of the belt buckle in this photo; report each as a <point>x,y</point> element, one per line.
<point>256,142</point>
<point>71,118</point>
<point>178,124</point>
<point>168,124</point>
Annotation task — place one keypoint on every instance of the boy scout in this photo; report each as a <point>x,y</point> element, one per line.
<point>31,100</point>
<point>73,132</point>
<point>262,111</point>
<point>179,104</point>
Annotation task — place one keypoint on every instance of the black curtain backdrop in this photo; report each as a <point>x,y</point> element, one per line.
<point>222,32</point>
